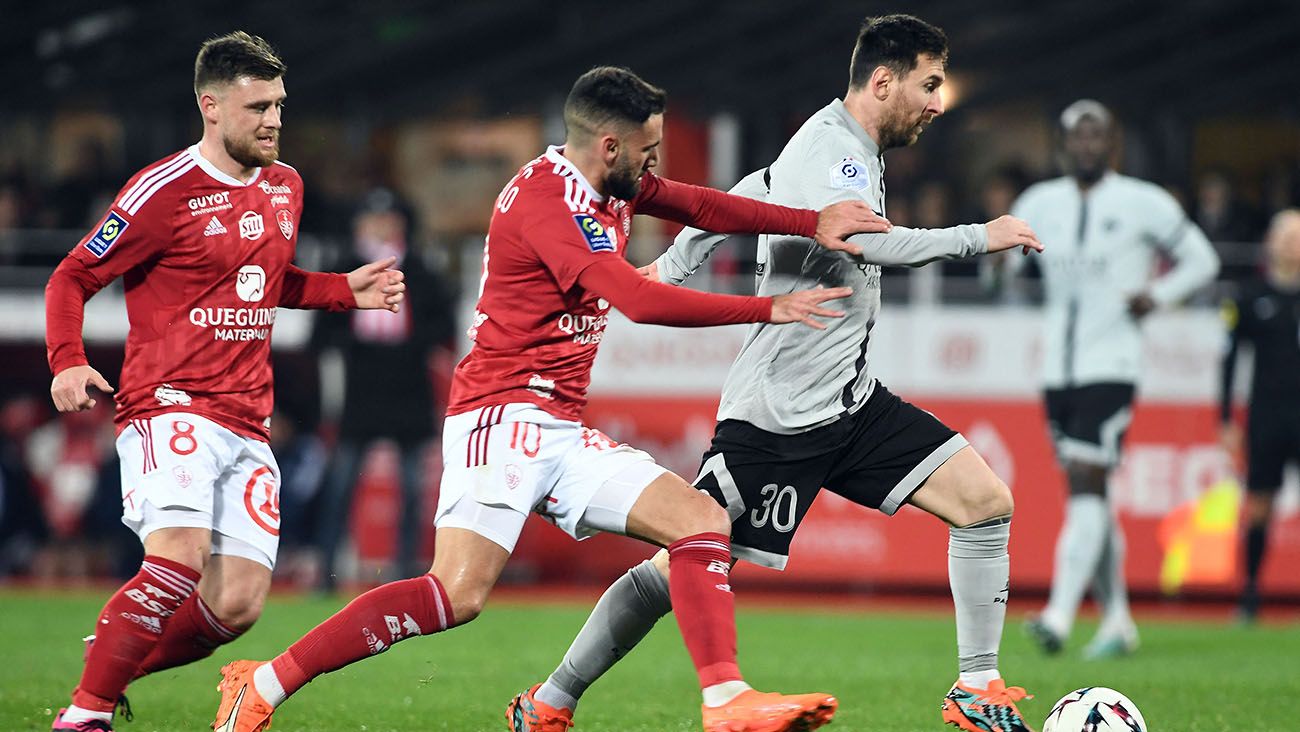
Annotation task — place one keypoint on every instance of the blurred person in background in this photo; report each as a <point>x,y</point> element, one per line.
<point>78,200</point>
<point>1104,235</point>
<point>1227,220</point>
<point>67,457</point>
<point>1266,316</point>
<point>23,529</point>
<point>1220,212</point>
<point>204,241</point>
<point>387,385</point>
<point>14,208</point>
<point>302,457</point>
<point>997,194</point>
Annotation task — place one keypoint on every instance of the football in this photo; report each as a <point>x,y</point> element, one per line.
<point>1094,709</point>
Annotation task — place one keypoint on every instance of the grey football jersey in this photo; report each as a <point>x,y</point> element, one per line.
<point>792,378</point>
<point>1099,249</point>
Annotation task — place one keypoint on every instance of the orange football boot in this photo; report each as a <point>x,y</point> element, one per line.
<point>242,708</point>
<point>756,711</point>
<point>526,714</point>
<point>985,710</point>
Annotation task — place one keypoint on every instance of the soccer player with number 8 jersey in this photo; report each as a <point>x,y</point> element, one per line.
<point>204,242</point>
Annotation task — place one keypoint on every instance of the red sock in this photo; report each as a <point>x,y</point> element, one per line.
<point>705,608</point>
<point>194,632</point>
<point>368,625</point>
<point>128,629</point>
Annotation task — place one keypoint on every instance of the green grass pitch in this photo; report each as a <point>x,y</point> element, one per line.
<point>889,670</point>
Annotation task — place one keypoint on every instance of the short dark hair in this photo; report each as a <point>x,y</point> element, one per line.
<point>610,94</point>
<point>895,42</point>
<point>233,56</point>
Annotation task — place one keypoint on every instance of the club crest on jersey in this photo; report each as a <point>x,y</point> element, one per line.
<point>599,239</point>
<point>849,174</point>
<point>285,219</point>
<point>108,234</point>
<point>250,226</point>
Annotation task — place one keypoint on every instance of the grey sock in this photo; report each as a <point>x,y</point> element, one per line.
<point>979,572</point>
<point>626,612</point>
<point>1078,551</point>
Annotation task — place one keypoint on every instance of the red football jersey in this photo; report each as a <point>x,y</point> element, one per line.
<point>205,260</point>
<point>535,332</point>
<point>536,329</point>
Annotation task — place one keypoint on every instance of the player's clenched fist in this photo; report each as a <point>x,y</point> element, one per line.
<point>837,222</point>
<point>1008,232</point>
<point>69,388</point>
<point>801,306</point>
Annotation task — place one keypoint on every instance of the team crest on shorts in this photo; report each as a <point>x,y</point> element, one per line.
<point>285,219</point>
<point>514,476</point>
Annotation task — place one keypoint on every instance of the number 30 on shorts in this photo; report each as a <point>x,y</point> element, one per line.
<point>779,504</point>
<point>183,441</point>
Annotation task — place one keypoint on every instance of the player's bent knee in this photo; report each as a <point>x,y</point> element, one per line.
<point>709,518</point>
<point>991,500</point>
<point>189,546</point>
<point>1000,501</point>
<point>466,603</point>
<point>241,611</point>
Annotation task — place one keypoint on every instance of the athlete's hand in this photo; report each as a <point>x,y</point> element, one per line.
<point>801,306</point>
<point>838,221</point>
<point>1009,232</point>
<point>69,388</point>
<point>650,271</point>
<point>377,286</point>
<point>1140,304</point>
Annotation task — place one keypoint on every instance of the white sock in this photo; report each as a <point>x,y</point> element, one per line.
<point>720,694</point>
<point>268,685</point>
<point>979,679</point>
<point>76,714</point>
<point>1078,549</point>
<point>979,573</point>
<point>552,695</point>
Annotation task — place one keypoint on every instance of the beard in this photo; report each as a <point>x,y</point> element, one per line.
<point>247,153</point>
<point>624,180</point>
<point>1088,174</point>
<point>898,129</point>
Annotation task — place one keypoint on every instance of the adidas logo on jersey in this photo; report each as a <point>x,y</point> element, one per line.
<point>214,228</point>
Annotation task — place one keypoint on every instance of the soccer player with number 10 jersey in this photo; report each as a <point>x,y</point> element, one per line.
<point>514,442</point>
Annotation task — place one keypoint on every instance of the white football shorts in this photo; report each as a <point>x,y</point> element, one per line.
<point>183,470</point>
<point>506,461</point>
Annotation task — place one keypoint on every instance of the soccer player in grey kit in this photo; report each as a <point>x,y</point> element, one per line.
<point>799,414</point>
<point>1106,233</point>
